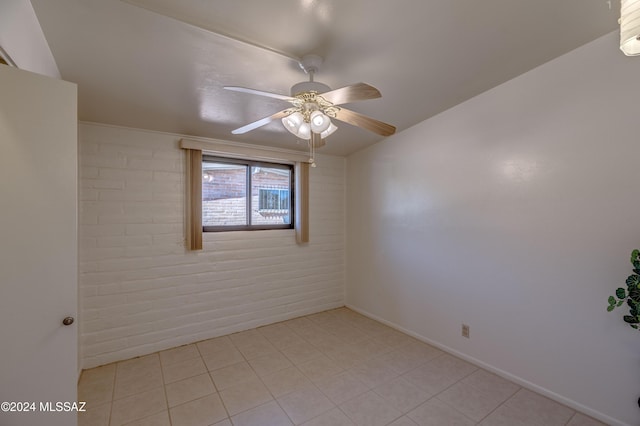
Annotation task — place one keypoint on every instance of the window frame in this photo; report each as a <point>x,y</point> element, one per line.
<point>249,164</point>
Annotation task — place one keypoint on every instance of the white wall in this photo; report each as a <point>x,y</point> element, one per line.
<point>22,38</point>
<point>143,292</point>
<point>514,212</point>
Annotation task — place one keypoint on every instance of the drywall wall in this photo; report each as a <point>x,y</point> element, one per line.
<point>22,38</point>
<point>142,291</point>
<point>515,213</point>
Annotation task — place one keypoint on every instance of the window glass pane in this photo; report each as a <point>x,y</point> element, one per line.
<point>270,196</point>
<point>224,194</point>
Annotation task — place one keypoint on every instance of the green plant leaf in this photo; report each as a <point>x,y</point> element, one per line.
<point>610,308</point>
<point>631,320</point>
<point>634,255</point>
<point>634,326</point>
<point>634,295</point>
<point>621,293</point>
<point>633,280</point>
<point>620,303</point>
<point>611,300</point>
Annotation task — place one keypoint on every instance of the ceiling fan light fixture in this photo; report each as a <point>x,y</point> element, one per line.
<point>293,121</point>
<point>332,128</point>
<point>319,121</point>
<point>630,27</point>
<point>304,131</point>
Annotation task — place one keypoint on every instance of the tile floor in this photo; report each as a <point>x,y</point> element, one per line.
<point>333,368</point>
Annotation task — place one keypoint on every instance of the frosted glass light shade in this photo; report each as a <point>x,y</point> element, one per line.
<point>304,131</point>
<point>292,122</point>
<point>332,128</point>
<point>630,27</point>
<point>319,122</point>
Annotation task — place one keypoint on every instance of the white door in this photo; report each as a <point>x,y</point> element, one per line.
<point>38,247</point>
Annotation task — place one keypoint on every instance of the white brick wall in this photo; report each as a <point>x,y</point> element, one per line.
<point>141,291</point>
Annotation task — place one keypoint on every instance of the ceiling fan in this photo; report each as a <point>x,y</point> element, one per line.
<point>314,104</point>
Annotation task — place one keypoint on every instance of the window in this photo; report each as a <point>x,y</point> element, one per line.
<point>246,195</point>
<point>273,199</point>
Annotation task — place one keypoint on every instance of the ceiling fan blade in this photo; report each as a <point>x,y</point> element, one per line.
<point>352,93</point>
<point>365,122</point>
<point>261,122</point>
<point>259,92</point>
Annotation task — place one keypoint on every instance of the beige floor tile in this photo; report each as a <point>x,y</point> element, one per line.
<point>438,374</point>
<point>403,421</point>
<point>134,365</point>
<point>423,350</point>
<point>370,409</point>
<point>394,338</point>
<point>298,323</point>
<point>300,353</point>
<point>280,335</point>
<point>436,413</point>
<point>470,401</point>
<point>284,381</point>
<point>371,327</point>
<point>342,387</point>
<point>491,383</point>
<point>346,356</point>
<point>309,331</point>
<point>548,412</point>
<point>320,368</point>
<point>259,347</point>
<point>349,334</point>
<point>373,372</point>
<point>322,317</point>
<point>269,414</point>
<point>273,329</point>
<point>214,345</point>
<point>402,362</point>
<point>200,412</point>
<point>183,370</point>
<point>232,375</point>
<point>222,358</point>
<point>305,403</point>
<point>402,395</point>
<point>509,416</point>
<point>138,406</point>
<point>95,415</point>
<point>181,353</point>
<point>582,420</point>
<point>270,363</point>
<point>189,389</point>
<point>282,341</point>
<point>244,396</point>
<point>245,338</point>
<point>333,417</point>
<point>159,419</point>
<point>96,385</point>
<point>324,341</point>
<point>137,375</point>
<point>371,348</point>
<point>309,364</point>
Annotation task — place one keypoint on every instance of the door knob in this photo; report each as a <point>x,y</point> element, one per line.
<point>68,321</point>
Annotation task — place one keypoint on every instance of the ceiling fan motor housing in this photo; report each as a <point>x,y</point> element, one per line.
<point>309,86</point>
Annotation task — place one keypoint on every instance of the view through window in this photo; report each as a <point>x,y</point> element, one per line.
<point>246,195</point>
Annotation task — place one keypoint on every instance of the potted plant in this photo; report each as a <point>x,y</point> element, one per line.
<point>631,294</point>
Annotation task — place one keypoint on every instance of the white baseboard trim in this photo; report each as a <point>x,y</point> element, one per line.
<point>515,379</point>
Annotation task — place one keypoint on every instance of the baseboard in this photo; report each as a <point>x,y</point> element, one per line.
<point>505,374</point>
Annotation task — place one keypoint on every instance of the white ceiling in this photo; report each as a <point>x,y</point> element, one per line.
<point>156,64</point>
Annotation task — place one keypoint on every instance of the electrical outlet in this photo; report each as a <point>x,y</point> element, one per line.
<point>465,330</point>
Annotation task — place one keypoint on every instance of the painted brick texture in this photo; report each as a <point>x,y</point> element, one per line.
<point>141,291</point>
